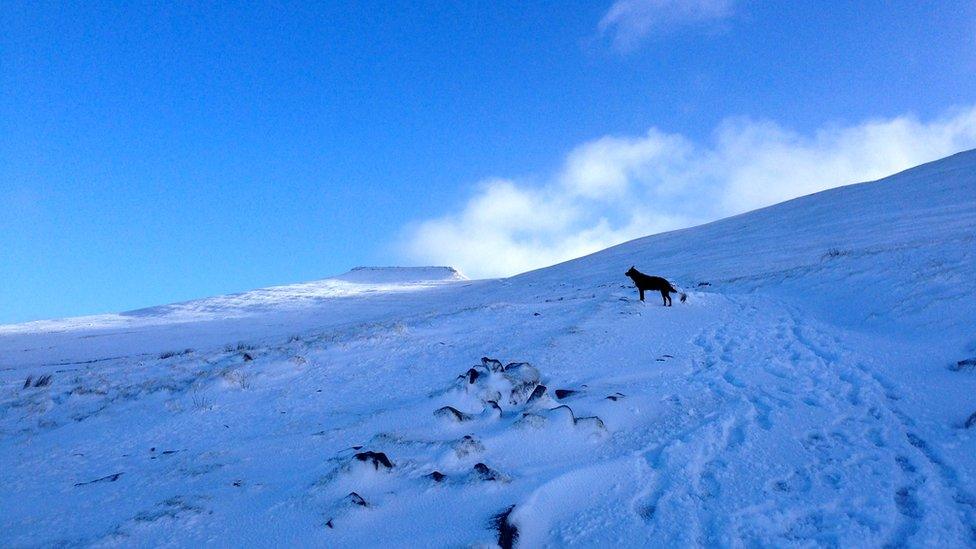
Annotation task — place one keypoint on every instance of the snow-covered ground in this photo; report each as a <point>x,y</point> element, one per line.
<point>812,391</point>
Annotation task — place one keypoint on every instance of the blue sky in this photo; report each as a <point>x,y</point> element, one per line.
<point>153,153</point>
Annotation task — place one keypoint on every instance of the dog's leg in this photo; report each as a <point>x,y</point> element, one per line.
<point>641,290</point>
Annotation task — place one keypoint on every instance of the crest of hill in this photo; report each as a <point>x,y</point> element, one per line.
<point>400,275</point>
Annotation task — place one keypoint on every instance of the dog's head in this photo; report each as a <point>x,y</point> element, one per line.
<point>631,272</point>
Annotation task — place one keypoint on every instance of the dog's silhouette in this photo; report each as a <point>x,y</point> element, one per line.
<point>645,282</point>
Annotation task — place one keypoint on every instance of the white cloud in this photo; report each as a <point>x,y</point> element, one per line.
<point>604,168</point>
<point>628,22</point>
<point>617,188</point>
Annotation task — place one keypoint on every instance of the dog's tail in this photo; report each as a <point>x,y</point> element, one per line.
<point>684,296</point>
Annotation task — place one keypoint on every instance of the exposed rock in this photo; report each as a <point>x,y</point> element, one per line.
<point>971,421</point>
<point>522,373</point>
<point>248,357</point>
<point>378,459</point>
<point>565,413</point>
<point>452,413</point>
<point>492,409</point>
<point>534,421</point>
<point>537,393</point>
<point>468,445</point>
<point>524,378</point>
<point>491,364</point>
<point>592,422</point>
<point>483,472</point>
<point>436,476</point>
<point>109,478</point>
<point>616,396</point>
<point>356,499</point>
<point>563,393</point>
<point>962,364</point>
<point>507,532</point>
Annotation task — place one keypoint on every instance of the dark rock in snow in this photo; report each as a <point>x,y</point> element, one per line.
<point>492,408</point>
<point>376,458</point>
<point>356,499</point>
<point>248,357</point>
<point>962,364</point>
<point>564,412</point>
<point>615,397</point>
<point>567,413</point>
<point>971,421</point>
<point>522,372</point>
<point>537,393</point>
<point>452,413</point>
<point>492,364</point>
<point>524,378</point>
<point>592,421</point>
<point>507,532</point>
<point>436,476</point>
<point>329,523</point>
<point>110,478</point>
<point>472,375</point>
<point>487,473</point>
<point>468,445</point>
<point>563,393</point>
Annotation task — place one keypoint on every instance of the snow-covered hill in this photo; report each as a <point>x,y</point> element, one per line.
<point>814,390</point>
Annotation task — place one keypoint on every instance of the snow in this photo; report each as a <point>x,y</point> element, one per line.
<point>806,394</point>
<point>401,275</point>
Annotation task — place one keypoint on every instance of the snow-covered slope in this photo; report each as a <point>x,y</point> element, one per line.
<point>814,389</point>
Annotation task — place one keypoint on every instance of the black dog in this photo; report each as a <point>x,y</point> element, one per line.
<point>644,282</point>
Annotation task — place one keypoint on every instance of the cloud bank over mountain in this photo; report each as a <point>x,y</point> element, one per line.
<point>616,188</point>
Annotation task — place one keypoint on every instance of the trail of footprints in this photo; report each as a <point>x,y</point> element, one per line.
<point>861,428</point>
<point>892,431</point>
<point>486,400</point>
